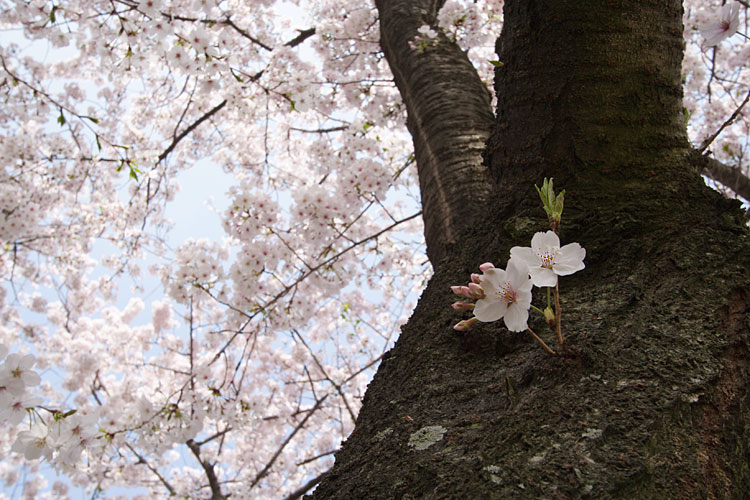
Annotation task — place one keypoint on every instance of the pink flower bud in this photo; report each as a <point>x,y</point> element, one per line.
<point>457,290</point>
<point>464,325</point>
<point>462,306</point>
<point>486,265</point>
<point>475,291</point>
<point>475,278</point>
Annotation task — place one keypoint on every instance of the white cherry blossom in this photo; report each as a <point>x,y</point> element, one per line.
<point>545,259</point>
<point>33,442</point>
<point>507,295</point>
<point>16,372</point>
<point>718,30</point>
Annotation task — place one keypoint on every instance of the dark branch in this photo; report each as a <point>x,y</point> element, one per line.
<point>208,467</point>
<point>724,125</point>
<point>303,35</point>
<point>305,487</point>
<point>731,177</point>
<point>190,128</point>
<point>286,441</point>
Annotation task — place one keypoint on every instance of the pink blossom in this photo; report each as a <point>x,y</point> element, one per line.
<point>507,296</point>
<point>718,30</point>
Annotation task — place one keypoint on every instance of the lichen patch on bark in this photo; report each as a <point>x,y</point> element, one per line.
<point>426,436</point>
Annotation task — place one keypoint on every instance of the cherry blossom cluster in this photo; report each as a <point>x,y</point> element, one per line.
<point>506,293</point>
<point>426,38</point>
<point>62,437</point>
<point>16,376</point>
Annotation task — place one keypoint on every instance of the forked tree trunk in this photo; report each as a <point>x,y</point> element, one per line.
<point>449,118</point>
<point>652,400</point>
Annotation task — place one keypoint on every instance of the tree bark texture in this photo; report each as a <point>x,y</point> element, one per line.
<point>652,400</point>
<point>449,118</point>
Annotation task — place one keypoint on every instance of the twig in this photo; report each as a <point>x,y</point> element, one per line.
<point>558,317</point>
<point>541,342</point>
<point>724,125</point>
<point>286,441</point>
<point>143,461</point>
<point>305,487</point>
<point>189,129</point>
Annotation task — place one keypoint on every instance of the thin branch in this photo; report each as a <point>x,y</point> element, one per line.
<point>312,459</point>
<point>296,494</point>
<point>261,308</point>
<point>303,35</point>
<point>143,461</point>
<point>335,384</point>
<point>208,467</point>
<point>286,441</point>
<point>211,438</point>
<point>708,141</point>
<point>244,33</point>
<point>320,130</point>
<point>189,129</point>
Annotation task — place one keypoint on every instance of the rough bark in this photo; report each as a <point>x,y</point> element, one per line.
<point>653,399</point>
<point>449,118</point>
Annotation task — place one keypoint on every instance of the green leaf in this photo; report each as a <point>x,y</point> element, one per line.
<point>95,120</point>
<point>52,13</point>
<point>133,170</point>
<point>61,119</point>
<point>553,204</point>
<point>98,144</point>
<point>496,64</point>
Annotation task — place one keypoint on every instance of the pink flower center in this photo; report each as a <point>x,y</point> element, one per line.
<point>724,25</point>
<point>507,294</point>
<point>547,258</point>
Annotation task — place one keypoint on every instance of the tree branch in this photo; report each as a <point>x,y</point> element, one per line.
<point>303,35</point>
<point>724,125</point>
<point>731,177</point>
<point>208,467</point>
<point>305,487</point>
<point>286,441</point>
<point>449,118</point>
<point>189,129</point>
<point>143,461</point>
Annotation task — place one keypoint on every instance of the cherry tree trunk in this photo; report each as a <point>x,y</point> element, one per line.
<point>652,399</point>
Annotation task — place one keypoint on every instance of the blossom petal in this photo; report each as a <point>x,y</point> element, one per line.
<point>516,318</point>
<point>523,297</point>
<point>716,31</point>
<point>545,241</point>
<point>570,259</point>
<point>525,255</point>
<point>541,276</point>
<point>492,279</point>
<point>489,310</point>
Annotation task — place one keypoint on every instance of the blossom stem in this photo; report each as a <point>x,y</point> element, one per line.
<point>549,299</point>
<point>541,342</point>
<point>537,309</point>
<point>558,315</point>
